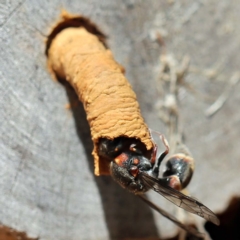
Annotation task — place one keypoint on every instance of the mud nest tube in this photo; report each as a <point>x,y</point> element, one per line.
<point>77,52</point>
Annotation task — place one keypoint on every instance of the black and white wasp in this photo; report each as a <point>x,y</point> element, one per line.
<point>137,170</point>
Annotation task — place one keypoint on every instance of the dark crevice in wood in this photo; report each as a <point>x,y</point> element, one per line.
<point>76,22</point>
<point>229,223</point>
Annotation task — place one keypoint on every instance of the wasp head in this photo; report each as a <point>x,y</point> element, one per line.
<point>125,169</point>
<point>128,157</point>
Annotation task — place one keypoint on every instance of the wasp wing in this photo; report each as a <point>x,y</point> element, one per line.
<point>187,203</point>
<point>173,219</point>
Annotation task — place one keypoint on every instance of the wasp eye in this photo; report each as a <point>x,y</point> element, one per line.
<point>135,161</point>
<point>134,171</point>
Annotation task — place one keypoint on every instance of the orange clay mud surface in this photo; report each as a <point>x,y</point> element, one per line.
<point>109,101</point>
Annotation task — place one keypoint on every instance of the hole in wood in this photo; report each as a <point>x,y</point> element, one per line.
<point>68,21</point>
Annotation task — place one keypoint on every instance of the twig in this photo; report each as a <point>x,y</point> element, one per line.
<point>173,76</point>
<point>218,104</point>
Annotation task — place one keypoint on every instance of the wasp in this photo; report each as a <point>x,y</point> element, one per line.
<point>138,170</point>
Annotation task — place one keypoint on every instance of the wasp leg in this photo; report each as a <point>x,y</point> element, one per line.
<point>154,154</point>
<point>110,148</point>
<point>161,157</point>
<point>180,168</point>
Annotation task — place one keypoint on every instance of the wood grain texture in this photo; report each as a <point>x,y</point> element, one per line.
<point>47,185</point>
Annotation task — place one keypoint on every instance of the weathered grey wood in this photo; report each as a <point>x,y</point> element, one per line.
<point>47,184</point>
